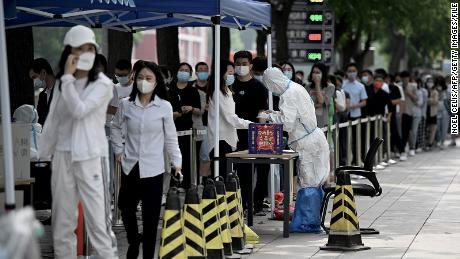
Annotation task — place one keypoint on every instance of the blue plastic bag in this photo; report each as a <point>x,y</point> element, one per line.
<point>307,218</point>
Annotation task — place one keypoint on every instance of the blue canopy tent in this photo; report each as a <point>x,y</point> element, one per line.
<point>132,16</point>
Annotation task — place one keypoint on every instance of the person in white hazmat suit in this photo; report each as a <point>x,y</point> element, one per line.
<point>297,114</point>
<point>74,136</point>
<point>28,114</point>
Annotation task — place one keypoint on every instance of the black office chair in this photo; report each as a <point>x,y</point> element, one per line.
<point>360,189</point>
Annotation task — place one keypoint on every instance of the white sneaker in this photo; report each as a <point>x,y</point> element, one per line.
<point>384,164</point>
<point>403,157</point>
<point>379,167</point>
<point>392,162</point>
<point>411,152</point>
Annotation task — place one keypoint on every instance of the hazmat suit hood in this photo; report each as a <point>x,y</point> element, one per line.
<point>275,81</point>
<point>26,113</point>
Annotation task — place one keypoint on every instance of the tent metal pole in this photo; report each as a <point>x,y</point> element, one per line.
<point>270,106</point>
<point>216,22</point>
<point>6,118</point>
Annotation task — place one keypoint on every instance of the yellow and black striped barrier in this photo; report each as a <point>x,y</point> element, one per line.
<point>172,236</point>
<point>212,231</point>
<point>195,244</point>
<point>223,215</point>
<point>344,234</point>
<point>247,247</point>
<point>236,230</point>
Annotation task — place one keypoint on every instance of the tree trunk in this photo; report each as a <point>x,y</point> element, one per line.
<point>261,40</point>
<point>280,22</point>
<point>120,47</point>
<point>168,46</point>
<point>350,48</point>
<point>20,52</point>
<point>398,47</point>
<point>359,57</point>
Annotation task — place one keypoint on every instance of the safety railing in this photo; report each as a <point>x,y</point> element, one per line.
<point>377,123</point>
<point>381,128</point>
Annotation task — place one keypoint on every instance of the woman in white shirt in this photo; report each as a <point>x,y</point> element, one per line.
<point>74,137</point>
<point>229,122</point>
<point>148,118</point>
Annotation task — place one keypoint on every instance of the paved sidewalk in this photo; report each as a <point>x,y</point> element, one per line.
<point>418,216</point>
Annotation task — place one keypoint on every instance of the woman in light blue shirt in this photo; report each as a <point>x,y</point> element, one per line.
<point>148,118</point>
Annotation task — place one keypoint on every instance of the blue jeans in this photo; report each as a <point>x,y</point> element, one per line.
<point>443,127</point>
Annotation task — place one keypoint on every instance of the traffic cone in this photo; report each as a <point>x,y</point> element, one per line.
<point>344,234</point>
<point>236,230</point>
<point>247,247</point>
<point>195,243</point>
<point>251,236</point>
<point>172,244</point>
<point>223,215</point>
<point>212,232</point>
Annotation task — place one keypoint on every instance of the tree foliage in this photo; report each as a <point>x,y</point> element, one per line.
<point>420,28</point>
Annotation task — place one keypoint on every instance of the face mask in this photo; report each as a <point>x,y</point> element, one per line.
<point>242,70</point>
<point>259,77</point>
<point>38,83</point>
<point>317,77</point>
<point>430,84</point>
<point>86,61</point>
<point>365,79</point>
<point>145,87</point>
<point>202,76</point>
<point>123,80</point>
<point>229,80</point>
<point>288,74</point>
<point>183,76</point>
<point>352,76</point>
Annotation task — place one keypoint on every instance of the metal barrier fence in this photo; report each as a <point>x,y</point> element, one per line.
<point>377,122</point>
<point>381,128</point>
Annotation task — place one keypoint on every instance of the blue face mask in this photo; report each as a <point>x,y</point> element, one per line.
<point>230,80</point>
<point>123,80</point>
<point>288,74</point>
<point>183,76</point>
<point>202,76</point>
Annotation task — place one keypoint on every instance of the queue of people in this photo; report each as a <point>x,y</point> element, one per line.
<point>150,103</point>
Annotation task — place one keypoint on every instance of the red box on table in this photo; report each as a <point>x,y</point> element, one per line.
<point>265,138</point>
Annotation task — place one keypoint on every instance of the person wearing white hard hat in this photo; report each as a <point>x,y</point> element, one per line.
<point>74,137</point>
<point>297,114</point>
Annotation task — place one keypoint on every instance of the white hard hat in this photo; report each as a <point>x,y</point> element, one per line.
<point>80,35</point>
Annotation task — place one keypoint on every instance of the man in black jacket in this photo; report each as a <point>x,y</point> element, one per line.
<point>41,72</point>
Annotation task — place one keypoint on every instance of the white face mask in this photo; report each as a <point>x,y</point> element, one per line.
<point>317,76</point>
<point>86,61</point>
<point>365,79</point>
<point>242,70</point>
<point>145,87</point>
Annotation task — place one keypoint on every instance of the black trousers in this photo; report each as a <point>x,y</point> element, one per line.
<point>354,136</point>
<point>396,142</point>
<point>184,145</point>
<point>224,148</point>
<point>406,127</point>
<point>134,189</point>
